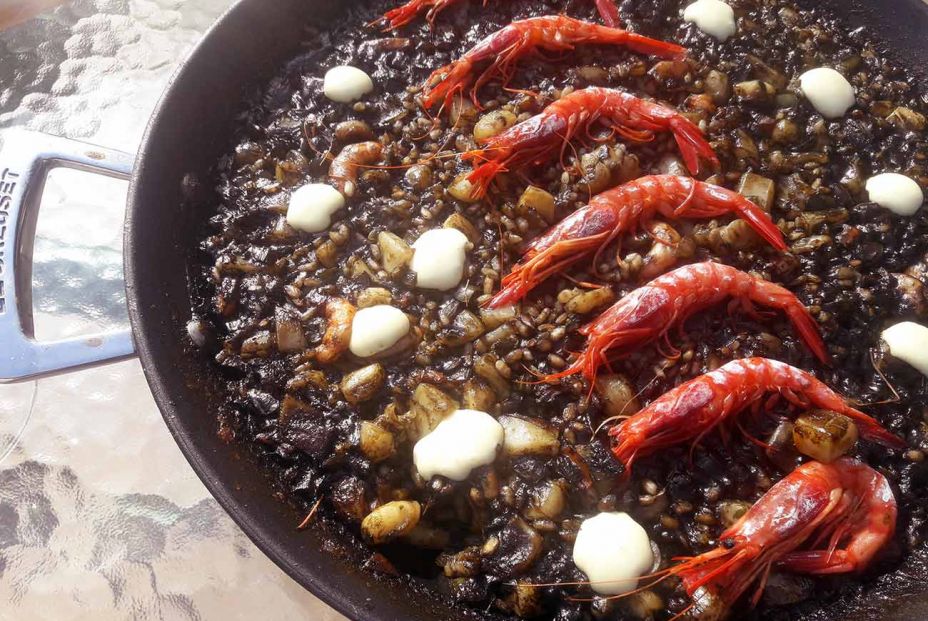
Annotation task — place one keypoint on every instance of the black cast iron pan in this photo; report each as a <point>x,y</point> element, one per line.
<point>190,129</point>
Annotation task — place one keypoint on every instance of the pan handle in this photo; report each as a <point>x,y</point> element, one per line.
<point>25,160</point>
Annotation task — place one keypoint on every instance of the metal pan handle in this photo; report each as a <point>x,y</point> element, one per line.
<point>25,160</point>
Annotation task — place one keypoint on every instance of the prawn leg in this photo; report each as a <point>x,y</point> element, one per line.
<point>819,562</point>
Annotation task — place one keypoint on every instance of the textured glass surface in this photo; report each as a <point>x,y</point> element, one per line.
<point>101,517</point>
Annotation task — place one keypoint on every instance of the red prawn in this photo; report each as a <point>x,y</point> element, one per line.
<point>819,519</point>
<point>405,13</point>
<point>649,311</point>
<point>505,46</point>
<point>621,210</point>
<point>694,408</point>
<point>534,140</point>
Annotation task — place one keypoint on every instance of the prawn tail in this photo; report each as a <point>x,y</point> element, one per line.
<point>692,144</point>
<point>609,12</point>
<point>807,328</point>
<point>703,204</point>
<point>482,175</point>
<point>445,82</point>
<point>873,430</point>
<point>760,221</point>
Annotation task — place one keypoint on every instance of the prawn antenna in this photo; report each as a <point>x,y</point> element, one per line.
<point>876,367</point>
<point>310,515</point>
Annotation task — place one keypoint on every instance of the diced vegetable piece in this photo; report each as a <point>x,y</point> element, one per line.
<point>524,601</point>
<point>759,190</point>
<point>485,367</point>
<point>257,345</point>
<point>374,296</point>
<point>462,189</point>
<point>363,384</point>
<point>755,91</point>
<point>392,520</point>
<point>810,244</point>
<point>618,395</point>
<point>429,407</point>
<point>377,444</point>
<point>548,501</point>
<point>493,123</point>
<point>289,332</point>
<point>671,164</point>
<point>730,511</point>
<point>395,253</point>
<point>717,86</point>
<point>538,200</point>
<point>419,177</point>
<point>907,119</point>
<point>590,300</point>
<point>476,395</point>
<point>644,604</point>
<point>824,435</point>
<point>786,131</point>
<point>327,253</point>
<point>459,222</point>
<point>493,317</point>
<point>462,111</point>
<point>528,437</point>
<point>738,235</point>
<point>465,328</point>
<point>462,564</point>
<point>668,247</point>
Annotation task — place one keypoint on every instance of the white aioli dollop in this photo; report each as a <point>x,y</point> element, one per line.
<point>713,17</point>
<point>465,440</point>
<point>898,193</point>
<point>438,260</point>
<point>613,550</point>
<point>345,84</point>
<point>908,341</point>
<point>312,206</point>
<point>828,91</point>
<point>377,328</point>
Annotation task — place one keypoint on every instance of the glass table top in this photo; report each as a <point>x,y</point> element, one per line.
<point>101,517</point>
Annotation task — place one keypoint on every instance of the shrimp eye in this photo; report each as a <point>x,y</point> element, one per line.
<point>728,543</point>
